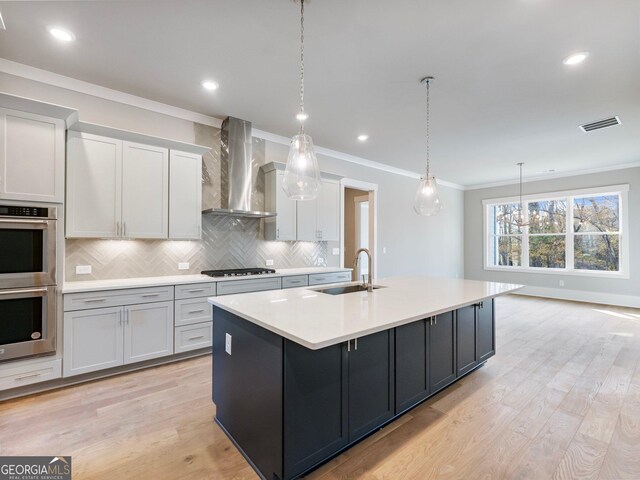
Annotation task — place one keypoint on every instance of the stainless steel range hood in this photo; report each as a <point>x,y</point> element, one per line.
<point>235,170</point>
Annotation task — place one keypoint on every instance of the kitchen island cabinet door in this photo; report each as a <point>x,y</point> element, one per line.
<point>371,383</point>
<point>466,339</point>
<point>486,331</point>
<point>148,331</point>
<point>442,351</point>
<point>315,405</point>
<point>412,375</point>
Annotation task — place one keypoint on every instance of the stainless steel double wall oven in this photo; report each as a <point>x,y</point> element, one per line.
<point>27,280</point>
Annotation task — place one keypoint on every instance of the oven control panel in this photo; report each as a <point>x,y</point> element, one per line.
<point>13,211</point>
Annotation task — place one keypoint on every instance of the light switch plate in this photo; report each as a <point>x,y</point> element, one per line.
<point>183,266</point>
<point>83,269</point>
<point>227,343</point>
<point>269,263</point>
<point>336,251</point>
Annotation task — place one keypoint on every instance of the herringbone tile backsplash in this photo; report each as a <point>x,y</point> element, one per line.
<point>227,242</point>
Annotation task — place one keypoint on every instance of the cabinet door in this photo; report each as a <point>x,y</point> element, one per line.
<point>486,331</point>
<point>282,226</point>
<point>31,157</point>
<point>185,195</point>
<point>145,191</point>
<point>307,220</point>
<point>371,382</point>
<point>329,211</point>
<point>315,405</point>
<point>412,376</point>
<point>442,358</point>
<point>148,331</point>
<point>466,339</point>
<point>92,340</point>
<point>94,181</point>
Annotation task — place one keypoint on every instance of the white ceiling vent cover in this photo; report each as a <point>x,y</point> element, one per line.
<point>607,122</point>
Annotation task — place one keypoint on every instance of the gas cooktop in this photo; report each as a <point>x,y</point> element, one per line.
<point>238,272</point>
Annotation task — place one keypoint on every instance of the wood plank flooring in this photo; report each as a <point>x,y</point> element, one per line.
<point>560,400</point>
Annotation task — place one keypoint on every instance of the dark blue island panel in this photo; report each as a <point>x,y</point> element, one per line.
<point>289,409</point>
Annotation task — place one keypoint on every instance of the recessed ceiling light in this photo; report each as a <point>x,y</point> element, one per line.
<point>363,137</point>
<point>576,58</point>
<point>62,34</point>
<point>210,85</point>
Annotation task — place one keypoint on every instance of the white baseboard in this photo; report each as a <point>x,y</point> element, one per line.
<point>582,296</point>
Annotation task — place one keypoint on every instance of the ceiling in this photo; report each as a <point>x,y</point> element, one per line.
<point>501,95</point>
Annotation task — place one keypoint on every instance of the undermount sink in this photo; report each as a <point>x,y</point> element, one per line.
<point>347,289</point>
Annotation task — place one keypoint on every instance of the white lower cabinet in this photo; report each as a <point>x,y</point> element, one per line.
<point>102,338</point>
<point>192,337</point>
<point>148,331</point>
<point>29,372</point>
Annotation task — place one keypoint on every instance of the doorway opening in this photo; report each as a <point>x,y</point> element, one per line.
<point>359,225</point>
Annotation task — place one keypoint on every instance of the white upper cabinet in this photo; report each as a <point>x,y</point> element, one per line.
<point>282,226</point>
<point>145,191</point>
<point>123,189</point>
<point>31,157</point>
<point>319,219</point>
<point>328,214</point>
<point>185,195</point>
<point>94,186</point>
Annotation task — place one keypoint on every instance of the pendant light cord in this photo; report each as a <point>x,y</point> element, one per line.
<point>428,82</point>
<point>302,64</point>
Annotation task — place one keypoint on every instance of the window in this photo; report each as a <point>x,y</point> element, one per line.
<point>579,232</point>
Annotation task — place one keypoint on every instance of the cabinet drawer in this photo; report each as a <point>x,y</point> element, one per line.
<point>195,290</point>
<point>115,298</point>
<point>192,337</point>
<point>193,310</point>
<point>18,376</point>
<point>246,286</point>
<point>322,278</point>
<point>296,281</point>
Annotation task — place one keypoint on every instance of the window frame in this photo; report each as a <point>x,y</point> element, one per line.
<point>622,191</point>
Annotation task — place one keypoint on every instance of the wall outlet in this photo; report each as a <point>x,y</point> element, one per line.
<point>183,266</point>
<point>321,261</point>
<point>83,269</point>
<point>562,283</point>
<point>384,249</point>
<point>336,251</point>
<point>269,263</point>
<point>227,343</point>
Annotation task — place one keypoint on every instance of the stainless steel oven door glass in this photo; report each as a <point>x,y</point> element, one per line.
<point>27,322</point>
<point>28,250</point>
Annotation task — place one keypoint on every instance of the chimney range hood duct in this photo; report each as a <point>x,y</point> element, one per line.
<point>235,170</point>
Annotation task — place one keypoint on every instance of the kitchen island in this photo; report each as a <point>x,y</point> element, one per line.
<point>300,375</point>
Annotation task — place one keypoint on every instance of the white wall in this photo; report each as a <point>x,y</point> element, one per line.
<point>613,290</point>
<point>415,245</point>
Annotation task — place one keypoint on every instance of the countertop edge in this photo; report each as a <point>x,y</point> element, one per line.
<point>362,333</point>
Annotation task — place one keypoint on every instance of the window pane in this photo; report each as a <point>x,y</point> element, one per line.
<point>597,252</point>
<point>596,214</point>
<point>548,216</point>
<point>504,219</point>
<point>507,251</point>
<point>547,251</point>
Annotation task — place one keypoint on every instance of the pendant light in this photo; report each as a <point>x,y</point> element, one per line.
<point>520,220</point>
<point>301,175</point>
<point>427,201</point>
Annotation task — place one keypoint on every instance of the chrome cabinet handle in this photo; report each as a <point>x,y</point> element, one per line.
<point>348,345</point>
<point>117,228</point>
<point>17,379</point>
<point>196,311</point>
<point>147,295</point>
<point>196,290</point>
<point>196,338</point>
<point>356,342</point>
<point>277,233</point>
<point>95,300</point>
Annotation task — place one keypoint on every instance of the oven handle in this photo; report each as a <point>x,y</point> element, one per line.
<point>16,292</point>
<point>28,222</point>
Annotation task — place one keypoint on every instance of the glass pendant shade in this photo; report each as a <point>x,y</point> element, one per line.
<point>427,201</point>
<point>301,175</point>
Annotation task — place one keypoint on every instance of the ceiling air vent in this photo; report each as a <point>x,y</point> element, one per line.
<point>607,122</point>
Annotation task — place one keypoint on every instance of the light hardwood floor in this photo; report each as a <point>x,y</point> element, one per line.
<point>560,400</point>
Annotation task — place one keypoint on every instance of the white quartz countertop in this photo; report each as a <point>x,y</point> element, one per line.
<point>317,320</point>
<point>119,283</point>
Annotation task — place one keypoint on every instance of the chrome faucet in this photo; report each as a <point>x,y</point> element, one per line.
<point>369,283</point>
